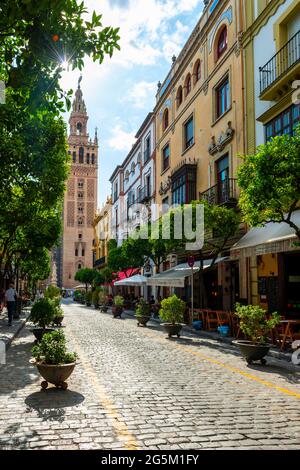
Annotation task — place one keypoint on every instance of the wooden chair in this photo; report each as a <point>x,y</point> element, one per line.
<point>212,320</point>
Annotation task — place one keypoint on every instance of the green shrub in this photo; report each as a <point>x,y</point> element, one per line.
<point>102,297</point>
<point>254,323</point>
<point>95,296</point>
<point>52,291</point>
<point>143,309</point>
<point>42,313</point>
<point>118,301</point>
<point>88,297</point>
<point>172,310</point>
<point>52,350</point>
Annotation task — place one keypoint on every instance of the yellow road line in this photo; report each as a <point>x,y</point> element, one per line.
<point>229,367</point>
<point>118,423</point>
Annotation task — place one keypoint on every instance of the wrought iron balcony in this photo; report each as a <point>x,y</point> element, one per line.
<point>281,64</point>
<point>223,192</point>
<point>144,194</point>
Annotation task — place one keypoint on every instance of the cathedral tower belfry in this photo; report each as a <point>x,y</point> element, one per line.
<point>80,202</point>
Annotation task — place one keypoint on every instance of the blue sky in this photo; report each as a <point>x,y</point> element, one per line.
<point>120,92</point>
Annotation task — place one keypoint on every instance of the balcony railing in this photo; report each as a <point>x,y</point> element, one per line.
<point>223,192</point>
<point>144,194</point>
<point>286,58</point>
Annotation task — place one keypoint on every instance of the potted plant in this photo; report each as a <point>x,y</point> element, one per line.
<point>95,297</point>
<point>172,313</point>
<point>117,308</point>
<point>256,327</point>
<point>88,298</point>
<point>42,315</point>
<point>53,361</point>
<point>142,313</point>
<point>103,301</point>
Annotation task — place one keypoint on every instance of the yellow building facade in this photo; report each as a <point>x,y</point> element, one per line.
<point>271,49</point>
<point>102,235</point>
<point>199,111</point>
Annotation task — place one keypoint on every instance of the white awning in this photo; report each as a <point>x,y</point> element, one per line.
<point>175,277</point>
<point>271,238</point>
<point>137,280</point>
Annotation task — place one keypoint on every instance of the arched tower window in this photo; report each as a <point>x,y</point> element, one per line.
<point>74,157</point>
<point>165,122</point>
<point>179,97</point>
<point>79,128</point>
<point>81,154</point>
<point>221,42</point>
<point>93,158</point>
<point>88,158</point>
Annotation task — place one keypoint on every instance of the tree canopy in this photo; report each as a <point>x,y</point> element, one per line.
<point>270,182</point>
<point>36,42</point>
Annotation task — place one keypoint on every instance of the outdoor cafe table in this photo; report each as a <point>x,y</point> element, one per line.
<point>288,331</point>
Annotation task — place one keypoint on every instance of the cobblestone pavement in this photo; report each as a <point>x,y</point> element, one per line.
<point>135,389</point>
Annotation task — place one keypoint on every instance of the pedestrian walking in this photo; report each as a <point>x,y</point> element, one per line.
<point>10,298</point>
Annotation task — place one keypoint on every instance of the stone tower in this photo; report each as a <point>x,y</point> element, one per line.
<point>80,201</point>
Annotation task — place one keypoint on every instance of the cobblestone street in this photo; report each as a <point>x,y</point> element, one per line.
<point>134,389</point>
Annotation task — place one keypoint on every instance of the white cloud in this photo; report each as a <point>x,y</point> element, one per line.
<point>142,94</point>
<point>121,140</point>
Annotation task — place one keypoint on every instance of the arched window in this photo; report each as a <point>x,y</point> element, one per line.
<point>93,158</point>
<point>74,157</point>
<point>80,221</point>
<point>88,158</point>
<point>165,123</point>
<point>76,252</point>
<point>79,128</point>
<point>221,42</point>
<point>188,84</point>
<point>179,97</point>
<point>81,154</point>
<point>197,71</point>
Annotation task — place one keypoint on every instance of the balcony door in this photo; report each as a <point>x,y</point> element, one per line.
<point>223,179</point>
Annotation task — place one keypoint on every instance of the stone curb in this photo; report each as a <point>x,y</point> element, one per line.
<point>16,333</point>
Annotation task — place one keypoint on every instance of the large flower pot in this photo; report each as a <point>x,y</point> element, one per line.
<point>142,319</point>
<point>172,329</point>
<point>55,374</point>
<point>40,332</point>
<point>103,308</point>
<point>253,352</point>
<point>117,311</point>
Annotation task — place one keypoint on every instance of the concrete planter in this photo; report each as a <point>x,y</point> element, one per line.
<point>173,329</point>
<point>55,374</point>
<point>253,352</point>
<point>40,332</point>
<point>142,319</point>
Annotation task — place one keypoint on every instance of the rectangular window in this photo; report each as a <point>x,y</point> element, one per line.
<point>166,158</point>
<point>284,123</point>
<point>147,149</point>
<point>188,133</point>
<point>184,185</point>
<point>222,98</point>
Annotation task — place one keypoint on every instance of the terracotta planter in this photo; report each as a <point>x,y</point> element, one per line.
<point>117,311</point>
<point>172,329</point>
<point>40,332</point>
<point>142,319</point>
<point>253,352</point>
<point>55,374</point>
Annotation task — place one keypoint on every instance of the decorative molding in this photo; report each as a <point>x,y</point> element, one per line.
<point>224,139</point>
<point>165,186</point>
<point>227,15</point>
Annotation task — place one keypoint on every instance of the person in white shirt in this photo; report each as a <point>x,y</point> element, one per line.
<point>10,299</point>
